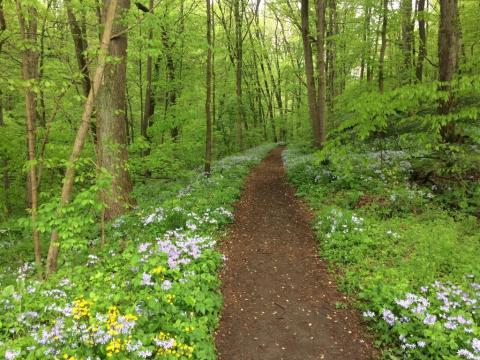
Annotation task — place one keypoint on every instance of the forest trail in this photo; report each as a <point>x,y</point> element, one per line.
<point>280,300</point>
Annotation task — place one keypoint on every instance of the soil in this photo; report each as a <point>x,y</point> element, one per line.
<point>280,300</point>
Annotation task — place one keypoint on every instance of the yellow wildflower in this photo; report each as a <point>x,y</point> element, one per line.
<point>158,270</point>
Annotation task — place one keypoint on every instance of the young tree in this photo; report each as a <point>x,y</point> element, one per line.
<point>81,45</point>
<point>208,99</point>
<point>149,108</point>
<point>27,19</point>
<point>240,118</point>
<point>383,47</point>
<point>67,188</point>
<point>422,37</point>
<point>321,103</point>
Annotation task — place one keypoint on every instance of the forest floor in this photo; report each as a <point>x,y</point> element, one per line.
<point>280,301</point>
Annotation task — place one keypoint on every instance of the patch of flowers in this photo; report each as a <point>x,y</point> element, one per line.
<point>441,319</point>
<point>151,293</point>
<point>339,222</point>
<point>389,236</point>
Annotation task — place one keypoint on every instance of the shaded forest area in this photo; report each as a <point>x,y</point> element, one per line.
<point>122,122</point>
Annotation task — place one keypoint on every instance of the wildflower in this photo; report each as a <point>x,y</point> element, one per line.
<point>429,319</point>
<point>389,317</point>
<point>450,325</point>
<point>144,353</point>
<point>476,345</point>
<point>368,314</point>
<point>81,308</point>
<point>465,353</point>
<point>143,247</point>
<point>147,279</point>
<point>158,270</point>
<point>167,285</point>
<point>11,354</point>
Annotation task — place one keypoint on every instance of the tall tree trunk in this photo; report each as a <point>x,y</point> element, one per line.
<point>3,27</point>
<point>6,176</point>
<point>364,63</point>
<point>448,52</point>
<point>110,105</point>
<point>383,47</point>
<point>81,45</point>
<point>239,121</point>
<point>79,35</point>
<point>309,73</point>
<point>422,34</point>
<point>41,111</point>
<point>149,100</point>
<point>208,99</point>
<point>28,32</point>
<point>214,92</point>
<point>407,39</point>
<point>82,132</point>
<point>321,103</point>
<point>332,52</point>
<point>171,93</point>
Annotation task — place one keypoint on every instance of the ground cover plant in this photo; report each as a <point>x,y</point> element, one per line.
<point>151,294</point>
<point>410,260</point>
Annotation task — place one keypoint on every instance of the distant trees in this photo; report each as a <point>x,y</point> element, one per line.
<point>233,73</point>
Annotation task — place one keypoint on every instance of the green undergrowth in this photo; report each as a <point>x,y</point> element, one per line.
<point>151,292</point>
<point>411,261</point>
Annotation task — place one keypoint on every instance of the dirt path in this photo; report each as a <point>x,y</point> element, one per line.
<point>279,298</point>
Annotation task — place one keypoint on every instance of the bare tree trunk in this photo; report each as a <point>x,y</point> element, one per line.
<point>214,92</point>
<point>282,106</point>
<point>42,114</point>
<point>149,100</point>
<point>407,39</point>
<point>422,34</point>
<point>309,73</point>
<point>383,48</point>
<point>6,177</point>
<point>321,103</point>
<point>366,39</point>
<point>448,52</point>
<point>81,45</point>
<point>28,32</point>
<point>332,53</point>
<point>171,93</point>
<point>238,14</point>
<point>79,35</point>
<point>111,119</point>
<point>82,132</point>
<point>208,99</point>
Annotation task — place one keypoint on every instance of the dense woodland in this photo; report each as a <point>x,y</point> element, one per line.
<point>124,120</point>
